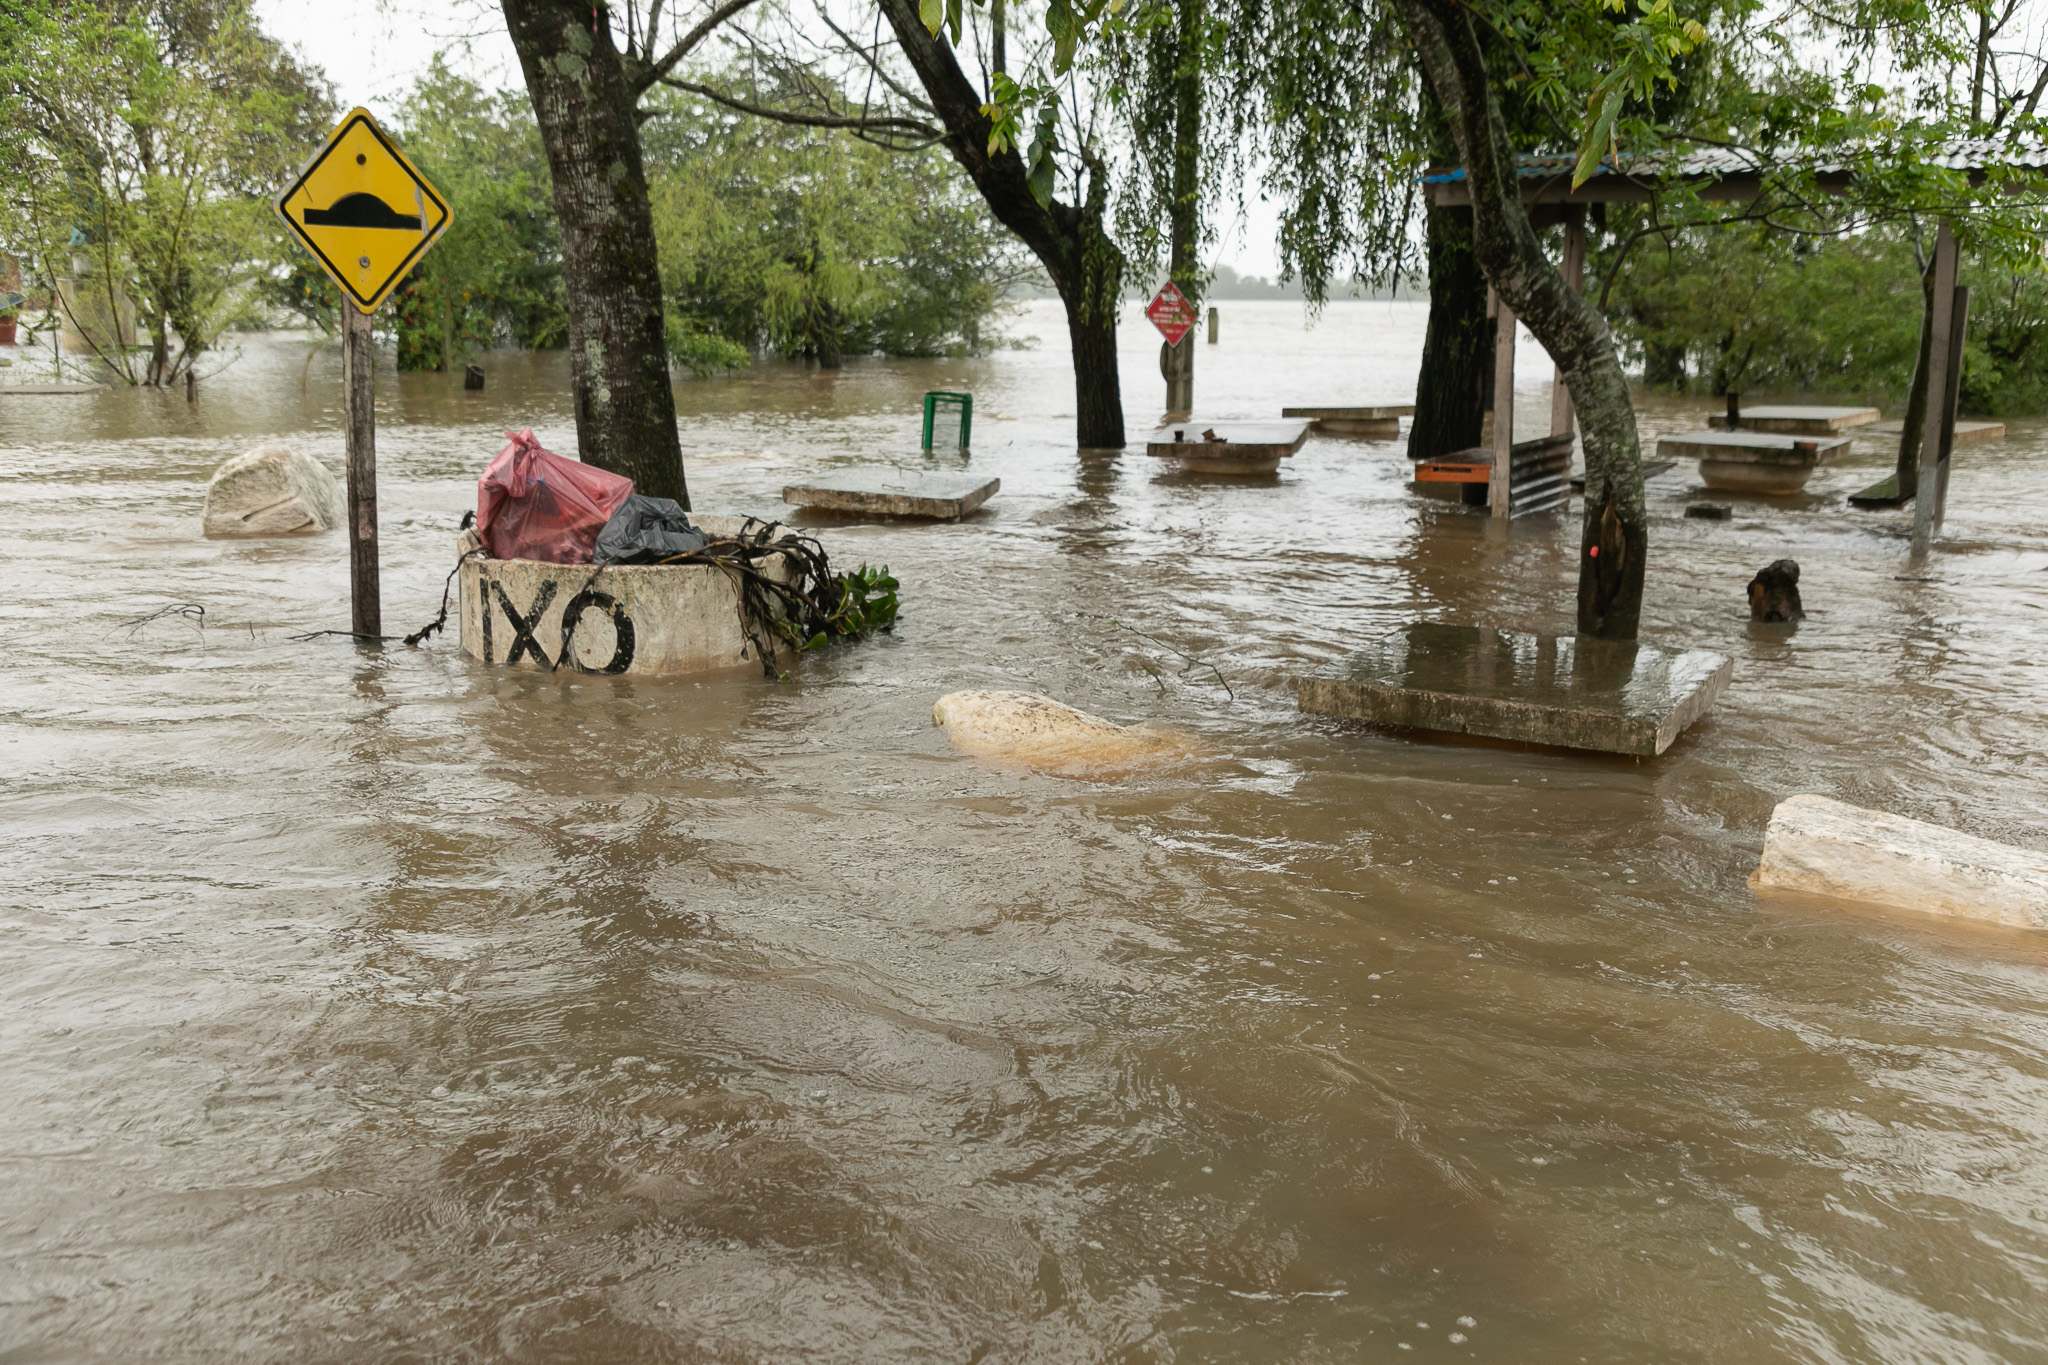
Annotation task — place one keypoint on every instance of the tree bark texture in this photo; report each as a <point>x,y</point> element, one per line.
<point>1068,239</point>
<point>1184,213</point>
<point>1614,540</point>
<point>1457,350</point>
<point>1912,429</point>
<point>618,353</point>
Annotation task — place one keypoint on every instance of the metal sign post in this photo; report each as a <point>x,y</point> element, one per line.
<point>368,217</point>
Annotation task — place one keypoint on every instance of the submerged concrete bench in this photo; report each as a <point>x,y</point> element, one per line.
<point>1966,432</point>
<point>1228,447</point>
<point>1823,847</point>
<point>1798,419</point>
<point>1378,423</point>
<point>636,619</point>
<point>895,493</point>
<point>1621,698</point>
<point>1754,461</point>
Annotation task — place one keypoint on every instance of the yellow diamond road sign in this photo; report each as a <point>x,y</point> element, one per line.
<point>363,211</point>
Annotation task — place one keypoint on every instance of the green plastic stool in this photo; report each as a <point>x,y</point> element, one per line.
<point>939,398</point>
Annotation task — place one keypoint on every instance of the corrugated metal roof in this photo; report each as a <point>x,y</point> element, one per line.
<point>1962,154</point>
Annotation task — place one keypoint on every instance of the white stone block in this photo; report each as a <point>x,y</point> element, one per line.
<point>271,491</point>
<point>1828,848</point>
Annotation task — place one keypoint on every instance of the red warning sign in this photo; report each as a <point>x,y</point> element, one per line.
<point>1171,313</point>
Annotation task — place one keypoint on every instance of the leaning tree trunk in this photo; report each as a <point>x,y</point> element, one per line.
<point>1069,240</point>
<point>618,355</point>
<point>1457,350</point>
<point>1914,429</point>
<point>1614,542</point>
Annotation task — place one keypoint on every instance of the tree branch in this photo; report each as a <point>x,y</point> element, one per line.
<point>2033,99</point>
<point>654,71</point>
<point>653,27</point>
<point>867,55</point>
<point>857,123</point>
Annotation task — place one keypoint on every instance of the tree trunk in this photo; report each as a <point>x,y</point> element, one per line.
<point>618,356</point>
<point>1663,366</point>
<point>1184,212</point>
<point>826,335</point>
<point>159,372</point>
<point>1069,241</point>
<point>1913,430</point>
<point>1098,404</point>
<point>1614,540</point>
<point>1457,350</point>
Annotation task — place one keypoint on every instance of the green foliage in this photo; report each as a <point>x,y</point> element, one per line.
<point>1746,308</point>
<point>813,244</point>
<point>139,144</point>
<point>2005,365</point>
<point>867,603</point>
<point>704,353</point>
<point>496,276</point>
<point>1749,309</point>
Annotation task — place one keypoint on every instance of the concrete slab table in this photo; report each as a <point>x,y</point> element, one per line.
<point>1798,419</point>
<point>1966,433</point>
<point>1228,447</point>
<point>895,493</point>
<point>1754,461</point>
<point>1602,695</point>
<point>1379,423</point>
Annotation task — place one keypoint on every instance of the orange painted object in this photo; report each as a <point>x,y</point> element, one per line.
<point>1450,469</point>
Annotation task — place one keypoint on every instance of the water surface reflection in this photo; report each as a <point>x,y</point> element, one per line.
<point>383,1008</point>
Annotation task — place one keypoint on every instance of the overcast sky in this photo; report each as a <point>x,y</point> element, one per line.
<point>372,50</point>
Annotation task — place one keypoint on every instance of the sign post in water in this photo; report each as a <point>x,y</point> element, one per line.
<point>1171,313</point>
<point>367,216</point>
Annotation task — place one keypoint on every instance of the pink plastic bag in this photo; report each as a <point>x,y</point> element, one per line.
<point>534,505</point>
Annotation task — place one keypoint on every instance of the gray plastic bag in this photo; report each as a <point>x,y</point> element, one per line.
<point>646,530</point>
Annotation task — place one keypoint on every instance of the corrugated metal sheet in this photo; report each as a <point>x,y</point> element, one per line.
<point>1963,154</point>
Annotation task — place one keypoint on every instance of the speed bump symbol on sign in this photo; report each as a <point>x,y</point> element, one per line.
<point>363,211</point>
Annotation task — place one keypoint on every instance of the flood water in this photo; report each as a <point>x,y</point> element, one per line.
<point>373,1006</point>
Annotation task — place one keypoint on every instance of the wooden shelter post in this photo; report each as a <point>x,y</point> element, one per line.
<point>1943,376</point>
<point>1499,483</point>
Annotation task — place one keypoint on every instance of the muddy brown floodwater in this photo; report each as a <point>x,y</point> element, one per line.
<point>383,1007</point>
